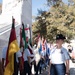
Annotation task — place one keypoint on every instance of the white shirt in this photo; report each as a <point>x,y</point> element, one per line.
<point>4,52</point>
<point>37,55</point>
<point>59,56</point>
<point>18,54</point>
<point>26,54</point>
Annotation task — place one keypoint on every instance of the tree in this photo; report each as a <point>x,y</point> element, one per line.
<point>58,2</point>
<point>53,2</point>
<point>59,19</point>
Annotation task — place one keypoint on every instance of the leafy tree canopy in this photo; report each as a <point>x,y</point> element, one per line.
<point>59,19</point>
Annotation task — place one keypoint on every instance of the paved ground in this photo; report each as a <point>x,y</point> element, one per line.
<point>45,72</point>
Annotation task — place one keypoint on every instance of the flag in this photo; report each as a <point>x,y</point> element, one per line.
<point>24,37</point>
<point>30,40</point>
<point>28,33</point>
<point>39,43</point>
<point>23,43</point>
<point>11,50</point>
<point>29,44</point>
<point>30,49</point>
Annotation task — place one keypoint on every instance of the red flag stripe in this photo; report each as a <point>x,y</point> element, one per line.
<point>25,28</point>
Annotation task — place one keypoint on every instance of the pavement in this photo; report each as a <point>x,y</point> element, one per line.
<point>45,72</point>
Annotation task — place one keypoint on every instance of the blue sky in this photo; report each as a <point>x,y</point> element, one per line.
<point>37,4</point>
<point>0,1</point>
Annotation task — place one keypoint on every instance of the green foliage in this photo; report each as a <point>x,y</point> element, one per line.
<point>59,19</point>
<point>53,2</point>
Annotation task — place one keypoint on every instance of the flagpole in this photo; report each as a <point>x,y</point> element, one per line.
<point>15,63</point>
<point>30,37</point>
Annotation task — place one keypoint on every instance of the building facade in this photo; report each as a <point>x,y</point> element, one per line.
<point>21,10</point>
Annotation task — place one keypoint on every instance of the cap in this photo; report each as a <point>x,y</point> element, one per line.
<point>60,36</point>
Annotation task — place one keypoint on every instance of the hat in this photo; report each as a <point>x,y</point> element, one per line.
<point>60,36</point>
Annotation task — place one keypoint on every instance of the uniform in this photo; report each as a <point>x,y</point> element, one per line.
<point>27,67</point>
<point>58,58</point>
<point>37,61</point>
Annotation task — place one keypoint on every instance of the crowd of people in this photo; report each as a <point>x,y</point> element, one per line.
<point>46,54</point>
<point>56,56</point>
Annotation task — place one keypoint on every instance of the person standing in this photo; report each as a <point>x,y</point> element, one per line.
<point>59,58</point>
<point>37,52</point>
<point>27,60</point>
<point>27,64</point>
<point>71,53</point>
